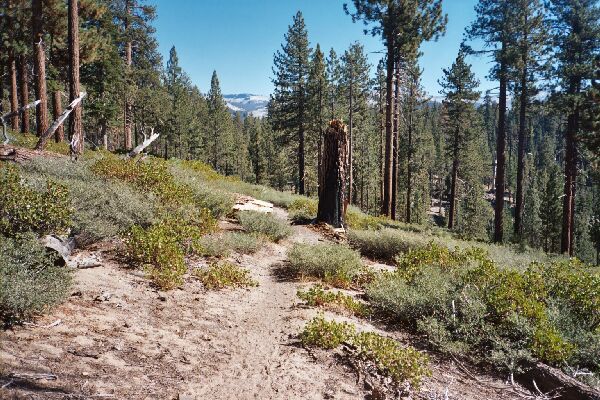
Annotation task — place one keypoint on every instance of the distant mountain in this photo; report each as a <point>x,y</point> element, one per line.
<point>247,104</point>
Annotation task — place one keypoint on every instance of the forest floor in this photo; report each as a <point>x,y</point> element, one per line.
<point>118,337</point>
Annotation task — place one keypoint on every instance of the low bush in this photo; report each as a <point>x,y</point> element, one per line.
<point>24,209</point>
<point>400,364</point>
<point>335,301</point>
<point>269,225</point>
<point>222,244</point>
<point>465,304</point>
<point>324,334</point>
<point>302,210</point>
<point>100,209</point>
<point>356,219</point>
<point>224,274</point>
<point>335,264</point>
<point>385,244</point>
<point>219,202</point>
<point>30,282</point>
<point>160,249</point>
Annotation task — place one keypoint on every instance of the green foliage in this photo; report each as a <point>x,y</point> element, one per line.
<point>326,334</point>
<point>303,209</point>
<point>356,219</point>
<point>220,245</point>
<point>269,225</point>
<point>100,209</point>
<point>466,304</point>
<point>336,264</point>
<point>401,364</point>
<point>385,244</point>
<point>30,282</point>
<point>224,274</point>
<point>317,296</point>
<point>23,209</point>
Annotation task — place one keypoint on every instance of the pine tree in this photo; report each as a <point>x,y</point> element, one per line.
<point>402,25</point>
<point>532,42</point>
<point>41,112</point>
<point>354,85</point>
<point>75,122</point>
<point>550,210</point>
<point>532,222</point>
<point>576,36</point>
<point>318,94</point>
<point>459,86</point>
<point>493,26</point>
<point>288,106</point>
<point>219,129</point>
<point>333,79</point>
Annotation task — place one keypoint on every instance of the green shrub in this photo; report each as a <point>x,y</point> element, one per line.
<point>336,264</point>
<point>101,209</point>
<point>302,210</point>
<point>221,244</point>
<point>356,219</point>
<point>269,225</point>
<point>465,303</point>
<point>161,248</point>
<point>224,274</point>
<point>159,252</point>
<point>401,364</point>
<point>23,209</point>
<point>30,282</point>
<point>219,202</point>
<point>326,334</point>
<point>335,301</point>
<point>385,244</point>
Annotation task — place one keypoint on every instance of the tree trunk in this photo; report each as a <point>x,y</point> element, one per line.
<point>409,160</point>
<point>14,101</point>
<point>41,112</point>
<point>23,78</point>
<point>301,181</point>
<point>569,190</point>
<point>332,201</point>
<point>520,200</point>
<point>386,205</point>
<point>350,145</point>
<point>396,105</point>
<point>452,211</point>
<point>59,134</point>
<point>75,125</point>
<point>501,152</point>
<point>320,140</point>
<point>127,112</point>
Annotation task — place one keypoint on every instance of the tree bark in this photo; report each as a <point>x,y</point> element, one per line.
<point>395,165</point>
<point>14,100</point>
<point>128,109</point>
<point>409,160</point>
<point>58,122</point>
<point>386,205</point>
<point>332,200</point>
<point>75,126</point>
<point>24,88</point>
<point>320,140</point>
<point>501,152</point>
<point>570,179</point>
<point>520,200</point>
<point>350,145</point>
<point>452,211</point>
<point>59,134</point>
<point>41,112</point>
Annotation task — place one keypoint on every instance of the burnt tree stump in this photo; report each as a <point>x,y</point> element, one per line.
<point>332,185</point>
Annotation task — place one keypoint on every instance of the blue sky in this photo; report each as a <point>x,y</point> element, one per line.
<point>238,38</point>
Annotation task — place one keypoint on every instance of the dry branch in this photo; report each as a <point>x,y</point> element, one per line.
<point>147,141</point>
<point>4,117</point>
<point>59,121</point>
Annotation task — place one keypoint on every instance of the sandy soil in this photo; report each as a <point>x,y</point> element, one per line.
<point>120,338</point>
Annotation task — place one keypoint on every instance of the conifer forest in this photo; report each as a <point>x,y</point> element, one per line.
<point>359,236</point>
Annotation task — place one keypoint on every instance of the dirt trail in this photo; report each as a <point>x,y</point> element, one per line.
<point>119,338</point>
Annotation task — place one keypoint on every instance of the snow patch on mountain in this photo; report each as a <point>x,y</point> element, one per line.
<point>247,104</point>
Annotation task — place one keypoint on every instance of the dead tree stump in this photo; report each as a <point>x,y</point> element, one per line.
<point>332,185</point>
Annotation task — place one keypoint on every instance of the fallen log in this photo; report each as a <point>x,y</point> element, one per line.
<point>147,142</point>
<point>59,121</point>
<point>545,378</point>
